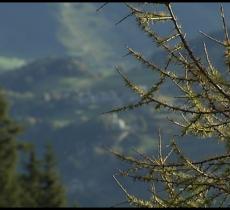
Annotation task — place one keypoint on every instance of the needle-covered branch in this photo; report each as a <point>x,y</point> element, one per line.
<point>203,108</point>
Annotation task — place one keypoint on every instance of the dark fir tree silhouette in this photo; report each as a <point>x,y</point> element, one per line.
<point>9,130</point>
<point>53,192</point>
<point>31,181</point>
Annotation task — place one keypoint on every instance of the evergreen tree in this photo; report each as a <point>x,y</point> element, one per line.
<point>31,182</point>
<point>41,183</point>
<point>202,102</point>
<point>9,183</point>
<point>53,192</point>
